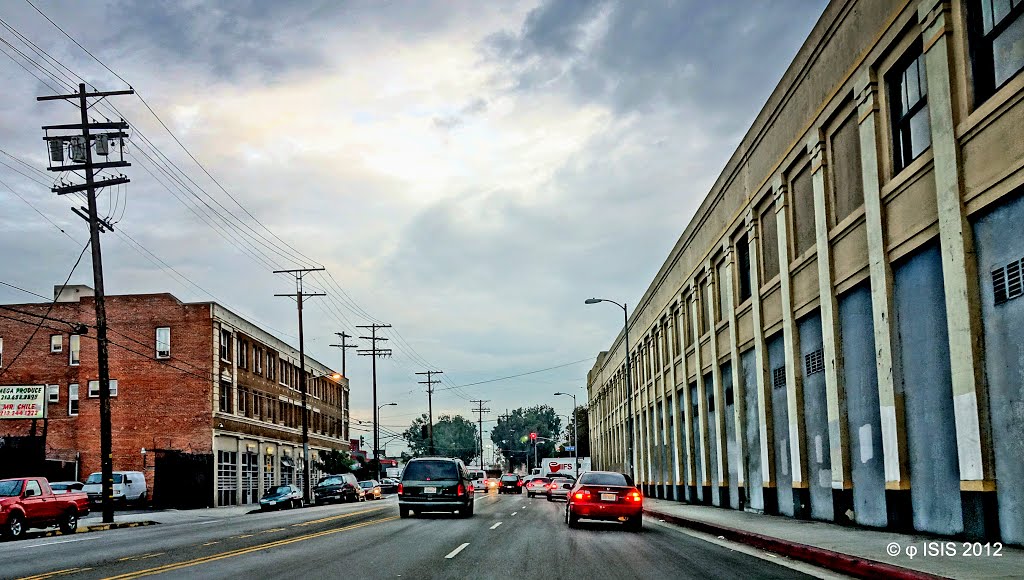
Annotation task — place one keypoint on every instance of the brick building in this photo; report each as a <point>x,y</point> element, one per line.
<point>204,402</point>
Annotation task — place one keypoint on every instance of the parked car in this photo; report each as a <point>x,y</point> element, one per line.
<point>559,488</point>
<point>432,484</point>
<point>371,489</point>
<point>281,496</point>
<point>28,502</point>
<point>59,487</point>
<point>605,495</point>
<point>335,488</point>
<point>129,486</point>
<point>388,485</point>
<point>536,485</point>
<point>510,483</point>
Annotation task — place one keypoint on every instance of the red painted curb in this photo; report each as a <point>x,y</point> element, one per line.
<point>845,563</point>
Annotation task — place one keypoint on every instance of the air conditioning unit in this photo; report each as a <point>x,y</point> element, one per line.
<point>78,150</point>
<point>56,150</point>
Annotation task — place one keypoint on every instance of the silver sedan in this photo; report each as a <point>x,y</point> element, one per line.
<point>559,488</point>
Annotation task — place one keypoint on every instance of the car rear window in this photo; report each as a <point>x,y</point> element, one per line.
<point>509,478</point>
<point>430,471</point>
<point>332,481</point>
<point>603,479</point>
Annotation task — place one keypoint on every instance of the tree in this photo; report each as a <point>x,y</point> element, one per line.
<point>512,434</point>
<point>335,461</point>
<point>582,418</point>
<point>454,436</point>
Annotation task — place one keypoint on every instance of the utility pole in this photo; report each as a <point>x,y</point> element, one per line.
<point>480,422</point>
<point>373,352</point>
<point>430,404</point>
<point>343,348</point>
<point>299,273</point>
<point>81,159</point>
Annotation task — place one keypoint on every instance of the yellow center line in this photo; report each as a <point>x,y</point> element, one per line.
<point>51,574</point>
<point>243,551</point>
<point>331,518</point>
<point>272,530</point>
<point>245,536</point>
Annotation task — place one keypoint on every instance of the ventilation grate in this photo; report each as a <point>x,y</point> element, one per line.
<point>1007,281</point>
<point>814,362</point>
<point>779,377</point>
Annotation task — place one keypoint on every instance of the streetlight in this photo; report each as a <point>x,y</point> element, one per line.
<point>305,434</point>
<point>629,387</point>
<point>575,435</point>
<point>376,428</point>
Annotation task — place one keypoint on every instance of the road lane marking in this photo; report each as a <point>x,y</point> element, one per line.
<point>243,551</point>
<point>142,557</point>
<point>206,522</point>
<point>338,517</point>
<point>495,525</point>
<point>271,530</point>
<point>514,513</point>
<point>211,543</point>
<point>56,573</point>
<point>245,536</point>
<point>59,542</point>
<point>456,551</point>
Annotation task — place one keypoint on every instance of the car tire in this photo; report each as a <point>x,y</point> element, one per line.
<point>69,523</point>
<point>142,499</point>
<point>403,512</point>
<point>15,528</point>
<point>635,523</point>
<point>570,519</point>
<point>550,499</point>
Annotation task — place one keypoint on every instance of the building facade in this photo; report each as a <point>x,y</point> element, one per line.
<point>837,333</point>
<point>204,402</point>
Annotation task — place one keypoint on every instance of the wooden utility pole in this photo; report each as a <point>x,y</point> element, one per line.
<point>480,422</point>
<point>343,346</point>
<point>299,273</point>
<point>81,159</point>
<point>430,404</point>
<point>373,352</point>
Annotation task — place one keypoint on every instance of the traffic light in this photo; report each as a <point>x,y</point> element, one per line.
<point>362,441</point>
<point>533,437</point>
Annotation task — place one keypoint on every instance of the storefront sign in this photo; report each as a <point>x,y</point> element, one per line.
<point>22,402</point>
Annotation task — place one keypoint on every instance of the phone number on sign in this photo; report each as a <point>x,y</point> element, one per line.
<point>945,549</point>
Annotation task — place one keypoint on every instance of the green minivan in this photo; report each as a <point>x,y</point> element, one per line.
<point>435,484</point>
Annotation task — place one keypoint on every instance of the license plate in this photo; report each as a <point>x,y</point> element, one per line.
<point>429,490</point>
<point>608,497</point>
<point>272,503</point>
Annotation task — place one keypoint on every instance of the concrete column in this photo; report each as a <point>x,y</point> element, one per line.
<point>738,401</point>
<point>960,281</point>
<point>765,419</point>
<point>791,343</point>
<point>717,391</point>
<point>660,337</point>
<point>643,428</point>
<point>890,374</point>
<point>835,390</point>
<point>679,471</point>
<point>704,476</point>
<point>690,469</point>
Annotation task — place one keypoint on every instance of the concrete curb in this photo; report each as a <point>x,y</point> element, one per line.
<point>844,563</point>
<point>98,528</point>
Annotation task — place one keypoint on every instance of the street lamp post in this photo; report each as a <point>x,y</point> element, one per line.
<point>575,435</point>
<point>376,426</point>
<point>629,386</point>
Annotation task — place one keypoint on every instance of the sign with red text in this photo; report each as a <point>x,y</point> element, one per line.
<point>23,402</point>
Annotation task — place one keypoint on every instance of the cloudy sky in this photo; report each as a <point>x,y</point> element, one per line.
<point>468,172</point>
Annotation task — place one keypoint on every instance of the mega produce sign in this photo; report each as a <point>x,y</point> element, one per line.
<point>23,402</point>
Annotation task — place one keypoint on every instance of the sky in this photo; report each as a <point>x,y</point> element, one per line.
<point>468,172</point>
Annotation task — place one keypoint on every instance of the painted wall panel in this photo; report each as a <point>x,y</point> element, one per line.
<point>755,485</point>
<point>732,457</point>
<point>712,404</point>
<point>861,379</point>
<point>805,283</point>
<point>999,242</point>
<point>780,420</point>
<point>911,210</point>
<point>850,252</point>
<point>819,461</point>
<point>927,387</point>
<point>697,463</point>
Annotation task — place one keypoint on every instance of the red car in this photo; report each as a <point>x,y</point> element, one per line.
<point>28,502</point>
<point>605,495</point>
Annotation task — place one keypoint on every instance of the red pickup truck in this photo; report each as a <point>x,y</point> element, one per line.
<point>28,502</point>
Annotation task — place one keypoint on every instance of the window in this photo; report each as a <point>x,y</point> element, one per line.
<point>74,350</point>
<point>257,361</point>
<point>163,342</point>
<point>802,190</point>
<point>847,174</point>
<point>271,367</point>
<point>997,44</point>
<point>225,345</point>
<point>94,388</point>
<point>56,343</point>
<point>242,354</point>
<point>723,290</point>
<point>243,398</point>
<point>73,400</point>
<point>769,243</point>
<point>225,397</point>
<point>704,305</point>
<point>908,100</point>
<point>52,393</point>
<point>743,265</point>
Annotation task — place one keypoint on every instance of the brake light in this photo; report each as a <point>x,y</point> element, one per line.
<point>461,490</point>
<point>399,489</point>
<point>634,496</point>
<point>552,486</point>
<point>584,494</point>
<point>519,483</point>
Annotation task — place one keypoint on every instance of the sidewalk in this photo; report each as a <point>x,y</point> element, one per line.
<point>168,516</point>
<point>849,550</point>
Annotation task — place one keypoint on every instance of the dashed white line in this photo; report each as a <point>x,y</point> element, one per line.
<point>456,551</point>
<point>59,542</point>
<point>514,513</point>
<point>495,525</point>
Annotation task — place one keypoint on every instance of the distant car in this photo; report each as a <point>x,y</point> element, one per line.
<point>479,478</point>
<point>434,484</point>
<point>510,483</point>
<point>536,485</point>
<point>59,487</point>
<point>281,496</point>
<point>388,485</point>
<point>605,495</point>
<point>129,486</point>
<point>559,488</point>
<point>335,488</point>
<point>371,489</point>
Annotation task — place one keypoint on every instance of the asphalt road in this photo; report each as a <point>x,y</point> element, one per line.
<point>509,536</point>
